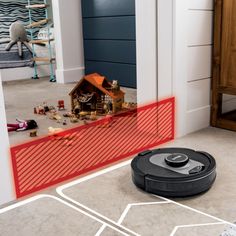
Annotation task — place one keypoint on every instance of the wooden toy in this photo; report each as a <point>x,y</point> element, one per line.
<point>33,133</point>
<point>94,93</point>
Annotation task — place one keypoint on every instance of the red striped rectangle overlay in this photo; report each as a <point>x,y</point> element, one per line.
<point>53,159</point>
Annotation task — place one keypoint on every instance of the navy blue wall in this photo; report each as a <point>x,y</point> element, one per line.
<point>109,39</point>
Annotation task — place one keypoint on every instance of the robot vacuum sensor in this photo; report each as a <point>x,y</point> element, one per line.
<point>174,172</point>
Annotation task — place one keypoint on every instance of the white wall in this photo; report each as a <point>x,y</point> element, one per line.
<point>146,47</point>
<point>154,44</point>
<point>6,180</point>
<point>69,40</point>
<point>200,32</point>
<point>184,39</point>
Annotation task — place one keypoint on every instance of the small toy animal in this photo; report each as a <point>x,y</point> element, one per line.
<point>53,131</point>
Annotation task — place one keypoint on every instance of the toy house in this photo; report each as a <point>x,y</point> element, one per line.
<point>95,93</point>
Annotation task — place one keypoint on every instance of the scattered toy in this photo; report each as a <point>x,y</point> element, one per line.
<point>68,114</point>
<point>93,115</point>
<point>61,105</point>
<point>55,116</point>
<point>52,109</point>
<point>129,105</point>
<point>39,110</point>
<point>45,106</point>
<point>33,133</point>
<point>22,125</point>
<point>83,115</point>
<point>115,87</point>
<point>53,131</point>
<point>74,120</point>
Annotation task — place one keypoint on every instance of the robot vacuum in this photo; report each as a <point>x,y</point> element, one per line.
<point>174,172</point>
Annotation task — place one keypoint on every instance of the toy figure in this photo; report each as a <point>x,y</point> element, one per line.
<point>93,115</point>
<point>61,105</point>
<point>46,107</point>
<point>22,125</point>
<point>115,87</point>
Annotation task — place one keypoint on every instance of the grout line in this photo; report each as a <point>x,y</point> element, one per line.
<point>197,211</point>
<point>199,109</point>
<point>194,225</point>
<point>100,230</point>
<point>199,225</point>
<point>196,80</point>
<point>41,196</point>
<point>91,211</point>
<point>200,45</point>
<point>116,167</point>
<point>150,203</point>
<point>123,215</point>
<point>128,207</point>
<point>200,9</point>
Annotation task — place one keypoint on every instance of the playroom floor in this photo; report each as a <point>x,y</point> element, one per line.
<point>22,96</point>
<point>107,203</point>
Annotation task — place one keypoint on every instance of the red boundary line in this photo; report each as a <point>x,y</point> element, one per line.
<point>14,149</point>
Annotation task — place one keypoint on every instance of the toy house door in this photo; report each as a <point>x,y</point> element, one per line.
<point>110,40</point>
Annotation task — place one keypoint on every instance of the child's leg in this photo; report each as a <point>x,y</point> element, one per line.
<point>12,127</point>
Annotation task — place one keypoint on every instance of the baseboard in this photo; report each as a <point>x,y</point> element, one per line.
<point>69,75</point>
<point>198,119</point>
<point>21,73</point>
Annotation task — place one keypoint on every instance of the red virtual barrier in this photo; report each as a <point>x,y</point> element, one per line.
<point>53,159</point>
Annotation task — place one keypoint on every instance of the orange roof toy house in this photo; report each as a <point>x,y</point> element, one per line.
<point>95,93</point>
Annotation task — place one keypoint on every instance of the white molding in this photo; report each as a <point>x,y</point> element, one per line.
<point>6,177</point>
<point>200,27</point>
<point>71,75</point>
<point>199,66</point>
<point>23,73</point>
<point>198,94</point>
<point>165,48</point>
<point>180,63</point>
<point>146,48</point>
<point>198,119</point>
<point>201,4</point>
<point>68,39</point>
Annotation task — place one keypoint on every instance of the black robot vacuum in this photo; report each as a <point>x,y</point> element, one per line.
<point>174,172</point>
